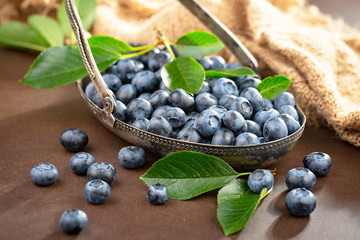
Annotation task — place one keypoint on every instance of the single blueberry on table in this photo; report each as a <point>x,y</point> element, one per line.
<point>189,135</point>
<point>253,127</point>
<point>157,60</point>
<point>179,98</point>
<point>224,86</point>
<point>80,162</point>
<point>226,100</point>
<point>246,138</point>
<point>284,98</point>
<point>291,124</point>
<point>112,81</point>
<point>207,123</point>
<point>132,157</point>
<point>97,191</point>
<point>287,109</point>
<point>234,121</point>
<point>261,116</point>
<point>139,108</point>
<point>243,106</point>
<point>160,126</point>
<point>120,112</point>
<point>300,202</point>
<point>157,194</point>
<point>102,170</point>
<point>73,221</point>
<point>161,111</point>
<point>204,101</point>
<point>218,62</point>
<point>73,139</point>
<point>159,98</point>
<point>141,123</point>
<point>223,136</point>
<point>319,163</point>
<point>254,97</point>
<point>145,81</point>
<point>274,128</point>
<point>260,179</point>
<point>126,93</point>
<point>300,177</point>
<point>44,174</point>
<point>176,117</point>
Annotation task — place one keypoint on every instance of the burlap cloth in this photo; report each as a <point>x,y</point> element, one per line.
<point>288,37</point>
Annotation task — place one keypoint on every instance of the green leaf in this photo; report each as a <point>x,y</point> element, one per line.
<point>198,44</point>
<point>185,73</point>
<point>17,35</point>
<point>58,66</point>
<point>48,28</point>
<point>270,87</point>
<point>87,12</point>
<point>112,45</point>
<point>235,72</point>
<point>189,174</point>
<point>236,204</point>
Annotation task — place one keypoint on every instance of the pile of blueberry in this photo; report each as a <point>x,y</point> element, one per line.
<point>224,112</point>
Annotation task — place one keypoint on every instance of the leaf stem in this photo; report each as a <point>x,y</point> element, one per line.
<point>131,55</point>
<point>139,48</point>
<point>162,39</point>
<point>244,174</point>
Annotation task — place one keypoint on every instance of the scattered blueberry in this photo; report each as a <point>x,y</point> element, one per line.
<point>132,157</point>
<point>157,194</point>
<point>319,163</point>
<point>80,162</point>
<point>300,177</point>
<point>97,191</point>
<point>73,221</point>
<point>73,139</point>
<point>44,174</point>
<point>300,202</point>
<point>102,170</point>
<point>259,179</point>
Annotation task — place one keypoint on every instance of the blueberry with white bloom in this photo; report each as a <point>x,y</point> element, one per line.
<point>157,194</point>
<point>259,179</point>
<point>102,170</point>
<point>73,221</point>
<point>44,174</point>
<point>80,162</point>
<point>97,191</point>
<point>132,157</point>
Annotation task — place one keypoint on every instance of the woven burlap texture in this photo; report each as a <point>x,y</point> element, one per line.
<point>288,37</point>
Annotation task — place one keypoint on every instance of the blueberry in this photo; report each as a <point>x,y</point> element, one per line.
<point>159,98</point>
<point>284,98</point>
<point>207,123</point>
<point>254,97</point>
<point>126,93</point>
<point>145,95</point>
<point>44,174</point>
<point>176,117</point>
<point>160,126</point>
<point>157,60</point>
<point>260,179</point>
<point>225,86</point>
<point>246,138</point>
<point>97,191</point>
<point>157,194</point>
<point>90,91</point>
<point>211,81</point>
<point>190,122</point>
<point>112,69</point>
<point>300,202</point>
<point>192,115</point>
<point>218,62</point>
<point>247,81</point>
<point>120,112</point>
<point>145,81</point>
<point>291,124</point>
<point>243,106</point>
<point>205,88</point>
<point>261,116</point>
<point>80,162</point>
<point>262,139</point>
<point>102,170</point>
<point>233,65</point>
<point>140,123</point>
<point>226,100</point>
<point>319,163</point>
<point>162,85</point>
<point>139,108</point>
<point>300,177</point>
<point>274,128</point>
<point>73,139</point>
<point>128,66</point>
<point>161,111</point>
<point>219,109</point>
<point>204,101</point>
<point>179,98</point>
<point>189,135</point>
<point>112,81</point>
<point>132,157</point>
<point>287,109</point>
<point>253,127</point>
<point>144,58</point>
<point>206,63</point>
<point>73,221</point>
<point>268,104</point>
<point>223,136</point>
<point>97,100</point>
<point>234,121</point>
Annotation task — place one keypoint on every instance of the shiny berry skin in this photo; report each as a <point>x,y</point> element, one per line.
<point>128,66</point>
<point>219,109</point>
<point>176,117</point>
<point>112,81</point>
<point>44,174</point>
<point>259,179</point>
<point>80,162</point>
<point>159,98</point>
<point>97,191</point>
<point>189,135</point>
<point>300,202</point>
<point>179,98</point>
<point>73,139</point>
<point>300,177</point>
<point>319,163</point>
<point>132,157</point>
<point>73,221</point>
<point>274,128</point>
<point>223,136</point>
<point>261,116</point>
<point>120,112</point>
<point>141,123</point>
<point>287,109</point>
<point>234,121</point>
<point>161,111</point>
<point>145,81</point>
<point>126,93</point>
<point>225,86</point>
<point>226,100</point>
<point>253,127</point>
<point>284,98</point>
<point>102,170</point>
<point>246,138</point>
<point>160,126</point>
<point>291,124</point>
<point>207,123</point>
<point>243,106</point>
<point>204,101</point>
<point>254,97</point>
<point>139,108</point>
<point>157,60</point>
<point>157,194</point>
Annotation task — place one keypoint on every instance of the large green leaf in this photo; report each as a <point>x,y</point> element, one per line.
<point>189,174</point>
<point>270,87</point>
<point>17,35</point>
<point>198,44</point>
<point>87,12</point>
<point>236,204</point>
<point>110,44</point>
<point>185,73</point>
<point>234,72</point>
<point>48,28</point>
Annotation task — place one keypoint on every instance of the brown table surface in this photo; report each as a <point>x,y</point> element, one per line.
<point>31,121</point>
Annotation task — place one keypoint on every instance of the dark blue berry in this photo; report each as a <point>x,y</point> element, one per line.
<point>44,174</point>
<point>73,139</point>
<point>126,93</point>
<point>138,108</point>
<point>243,106</point>
<point>268,104</point>
<point>247,81</point>
<point>179,98</point>
<point>144,58</point>
<point>219,109</point>
<point>128,66</point>
<point>102,170</point>
<point>145,81</point>
<point>204,101</point>
<point>112,81</point>
<point>319,163</point>
<point>260,179</point>
<point>132,157</point>
<point>253,127</point>
<point>73,221</point>
<point>246,138</point>
<point>284,98</point>
<point>225,86</point>
<point>218,62</point>
<point>140,123</point>
<point>206,63</point>
<point>291,124</point>
<point>90,91</point>
<point>157,60</point>
<point>159,98</point>
<point>120,112</point>
<point>261,116</point>
<point>112,69</point>
<point>145,95</point>
<point>189,135</point>
<point>97,191</point>
<point>176,117</point>
<point>274,128</point>
<point>160,126</point>
<point>234,121</point>
<point>80,162</point>
<point>300,177</point>
<point>226,100</point>
<point>205,88</point>
<point>223,136</point>
<point>287,109</point>
<point>300,202</point>
<point>254,97</point>
<point>157,194</point>
<point>161,111</point>
<point>207,123</point>
<point>233,65</point>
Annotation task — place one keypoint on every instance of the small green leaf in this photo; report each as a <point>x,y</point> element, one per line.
<point>236,204</point>
<point>189,174</point>
<point>17,35</point>
<point>86,9</point>
<point>48,28</point>
<point>185,73</point>
<point>198,44</point>
<point>112,45</point>
<point>235,72</point>
<point>270,87</point>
